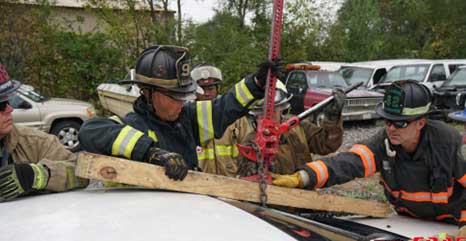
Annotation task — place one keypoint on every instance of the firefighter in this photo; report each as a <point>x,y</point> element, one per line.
<point>209,78</point>
<point>422,170</point>
<point>30,160</point>
<point>166,127</point>
<point>296,145</point>
<point>217,156</point>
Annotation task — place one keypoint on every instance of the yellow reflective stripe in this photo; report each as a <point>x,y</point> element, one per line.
<point>125,142</point>
<point>72,182</point>
<point>206,154</point>
<point>226,150</point>
<point>242,93</point>
<point>40,177</point>
<point>204,121</point>
<point>416,111</point>
<point>116,118</point>
<point>153,135</point>
<point>220,151</point>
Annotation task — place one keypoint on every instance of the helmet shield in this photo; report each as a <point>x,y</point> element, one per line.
<point>207,75</point>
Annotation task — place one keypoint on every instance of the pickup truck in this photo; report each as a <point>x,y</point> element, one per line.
<point>58,116</point>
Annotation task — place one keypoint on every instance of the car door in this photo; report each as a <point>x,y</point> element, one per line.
<point>25,111</point>
<point>296,85</point>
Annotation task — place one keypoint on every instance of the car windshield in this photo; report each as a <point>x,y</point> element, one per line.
<point>415,72</point>
<point>356,74</point>
<point>32,93</point>
<point>458,78</point>
<point>324,79</point>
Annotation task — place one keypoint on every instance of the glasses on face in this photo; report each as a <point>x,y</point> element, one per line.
<point>398,124</point>
<point>3,105</point>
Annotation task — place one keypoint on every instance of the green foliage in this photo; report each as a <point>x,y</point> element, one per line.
<point>225,44</point>
<point>64,61</point>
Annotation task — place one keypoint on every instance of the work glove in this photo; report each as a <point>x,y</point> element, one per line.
<point>19,179</point>
<point>333,110</point>
<point>461,232</point>
<point>276,68</point>
<point>175,166</point>
<point>294,180</point>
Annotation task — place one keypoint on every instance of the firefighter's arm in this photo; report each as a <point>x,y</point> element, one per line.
<point>359,161</point>
<point>459,172</point>
<point>226,109</point>
<point>325,139</point>
<point>112,136</point>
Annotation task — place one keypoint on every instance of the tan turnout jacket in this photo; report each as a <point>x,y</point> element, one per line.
<point>27,145</point>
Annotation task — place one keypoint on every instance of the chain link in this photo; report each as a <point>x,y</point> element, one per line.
<point>261,172</point>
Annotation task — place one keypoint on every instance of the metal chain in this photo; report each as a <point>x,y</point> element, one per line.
<point>261,172</point>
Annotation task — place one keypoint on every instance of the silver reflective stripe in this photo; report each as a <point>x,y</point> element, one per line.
<point>124,143</point>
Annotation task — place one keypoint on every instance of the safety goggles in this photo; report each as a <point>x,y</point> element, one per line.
<point>3,105</point>
<point>399,124</point>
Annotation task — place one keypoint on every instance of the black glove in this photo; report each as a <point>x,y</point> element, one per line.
<point>246,167</point>
<point>275,67</point>
<point>18,179</point>
<point>334,109</point>
<point>175,166</point>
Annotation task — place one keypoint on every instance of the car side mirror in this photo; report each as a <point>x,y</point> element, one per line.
<point>24,105</point>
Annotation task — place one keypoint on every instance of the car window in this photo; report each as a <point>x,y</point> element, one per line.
<point>453,67</point>
<point>437,73</point>
<point>355,75</point>
<point>297,80</point>
<point>32,93</point>
<point>15,101</point>
<point>403,72</point>
<point>325,79</point>
<point>458,78</point>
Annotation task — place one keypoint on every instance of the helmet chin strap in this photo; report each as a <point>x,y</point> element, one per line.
<point>148,97</point>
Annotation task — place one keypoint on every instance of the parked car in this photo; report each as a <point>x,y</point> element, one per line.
<point>448,94</point>
<point>58,116</point>
<point>370,72</point>
<point>309,86</point>
<point>135,214</point>
<point>430,72</point>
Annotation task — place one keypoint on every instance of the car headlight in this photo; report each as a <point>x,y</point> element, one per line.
<point>90,111</point>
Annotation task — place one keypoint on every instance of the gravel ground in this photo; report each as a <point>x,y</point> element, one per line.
<point>365,188</point>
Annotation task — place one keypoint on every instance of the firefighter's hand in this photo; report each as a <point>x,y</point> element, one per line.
<point>276,69</point>
<point>175,166</point>
<point>334,109</point>
<point>18,179</point>
<point>291,181</point>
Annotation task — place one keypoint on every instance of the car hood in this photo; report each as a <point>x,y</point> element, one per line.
<point>65,103</point>
<point>121,215</point>
<point>357,93</point>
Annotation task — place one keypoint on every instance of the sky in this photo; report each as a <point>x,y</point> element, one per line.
<point>201,11</point>
<point>198,10</point>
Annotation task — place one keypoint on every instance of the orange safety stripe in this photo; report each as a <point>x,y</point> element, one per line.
<point>321,172</point>
<point>405,210</point>
<point>367,158</point>
<point>463,180</point>
<point>445,216</point>
<point>439,197</point>
<point>463,216</point>
<point>394,193</point>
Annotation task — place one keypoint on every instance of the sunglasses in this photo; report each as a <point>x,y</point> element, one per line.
<point>3,105</point>
<point>399,124</point>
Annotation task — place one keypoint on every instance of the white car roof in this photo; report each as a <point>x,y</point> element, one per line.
<point>126,215</point>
